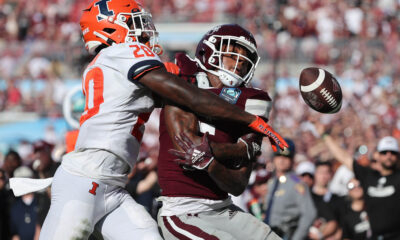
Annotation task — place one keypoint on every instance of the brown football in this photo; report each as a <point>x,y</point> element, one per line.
<point>320,90</point>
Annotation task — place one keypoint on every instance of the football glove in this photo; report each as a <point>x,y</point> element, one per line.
<point>253,144</point>
<point>193,156</point>
<point>171,68</point>
<point>261,126</point>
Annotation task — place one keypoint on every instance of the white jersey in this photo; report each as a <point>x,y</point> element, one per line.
<point>117,105</point>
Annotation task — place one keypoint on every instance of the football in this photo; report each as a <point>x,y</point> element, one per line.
<point>320,90</point>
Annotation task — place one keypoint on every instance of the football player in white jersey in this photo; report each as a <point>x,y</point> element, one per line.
<point>120,85</point>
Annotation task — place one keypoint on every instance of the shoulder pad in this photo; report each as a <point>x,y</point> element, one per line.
<point>255,93</point>
<point>186,65</point>
<point>255,101</point>
<point>121,57</point>
<point>138,69</point>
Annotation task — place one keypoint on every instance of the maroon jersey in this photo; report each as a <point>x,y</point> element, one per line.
<point>177,182</point>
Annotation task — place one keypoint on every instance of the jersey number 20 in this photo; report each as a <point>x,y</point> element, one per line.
<point>93,87</point>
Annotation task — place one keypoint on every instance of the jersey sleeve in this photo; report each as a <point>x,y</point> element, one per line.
<point>139,69</point>
<point>256,102</point>
<point>132,60</point>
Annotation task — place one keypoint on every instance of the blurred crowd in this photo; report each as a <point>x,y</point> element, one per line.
<point>357,41</point>
<point>41,47</point>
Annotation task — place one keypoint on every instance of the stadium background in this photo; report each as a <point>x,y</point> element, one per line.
<point>42,58</point>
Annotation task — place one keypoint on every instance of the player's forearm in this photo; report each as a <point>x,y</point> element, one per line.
<point>200,101</point>
<point>229,180</point>
<point>178,121</point>
<point>227,151</point>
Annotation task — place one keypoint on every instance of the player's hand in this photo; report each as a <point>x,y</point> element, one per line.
<point>261,126</point>
<point>253,144</point>
<point>171,68</point>
<point>195,156</point>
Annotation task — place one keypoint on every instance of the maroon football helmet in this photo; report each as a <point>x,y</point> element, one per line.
<point>215,44</point>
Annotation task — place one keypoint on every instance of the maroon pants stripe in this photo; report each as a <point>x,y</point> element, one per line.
<point>192,229</point>
<point>173,232</point>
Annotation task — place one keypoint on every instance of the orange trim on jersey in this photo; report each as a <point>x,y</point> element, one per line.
<point>70,140</point>
<point>94,60</point>
<point>145,71</point>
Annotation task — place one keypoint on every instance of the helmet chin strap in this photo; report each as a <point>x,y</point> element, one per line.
<point>228,80</point>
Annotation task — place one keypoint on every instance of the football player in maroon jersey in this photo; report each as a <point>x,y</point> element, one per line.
<point>202,160</point>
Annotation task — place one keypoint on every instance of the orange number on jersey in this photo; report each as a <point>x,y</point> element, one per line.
<point>147,51</point>
<point>93,87</point>
<point>137,52</point>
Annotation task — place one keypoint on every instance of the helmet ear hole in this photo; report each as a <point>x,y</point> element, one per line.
<point>109,30</point>
<point>202,52</point>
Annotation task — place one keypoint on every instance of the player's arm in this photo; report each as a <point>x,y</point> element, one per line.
<point>228,179</point>
<point>203,102</point>
<point>178,121</point>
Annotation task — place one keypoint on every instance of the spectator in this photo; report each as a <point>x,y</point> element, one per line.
<point>340,179</point>
<point>258,192</point>
<point>11,162</point>
<point>381,186</point>
<point>328,205</point>
<point>305,170</point>
<point>355,222</point>
<point>142,182</point>
<point>5,205</point>
<point>289,207</point>
<point>44,164</point>
<point>24,212</point>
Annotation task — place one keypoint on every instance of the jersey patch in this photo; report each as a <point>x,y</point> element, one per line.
<point>139,69</point>
<point>230,95</point>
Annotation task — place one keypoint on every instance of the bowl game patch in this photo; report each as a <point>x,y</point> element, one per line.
<point>230,95</point>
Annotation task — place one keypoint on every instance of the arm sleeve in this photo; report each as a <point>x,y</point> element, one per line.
<point>307,215</point>
<point>139,69</point>
<point>132,60</point>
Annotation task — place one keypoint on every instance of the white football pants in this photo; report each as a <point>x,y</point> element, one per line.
<point>80,204</point>
<point>229,223</point>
